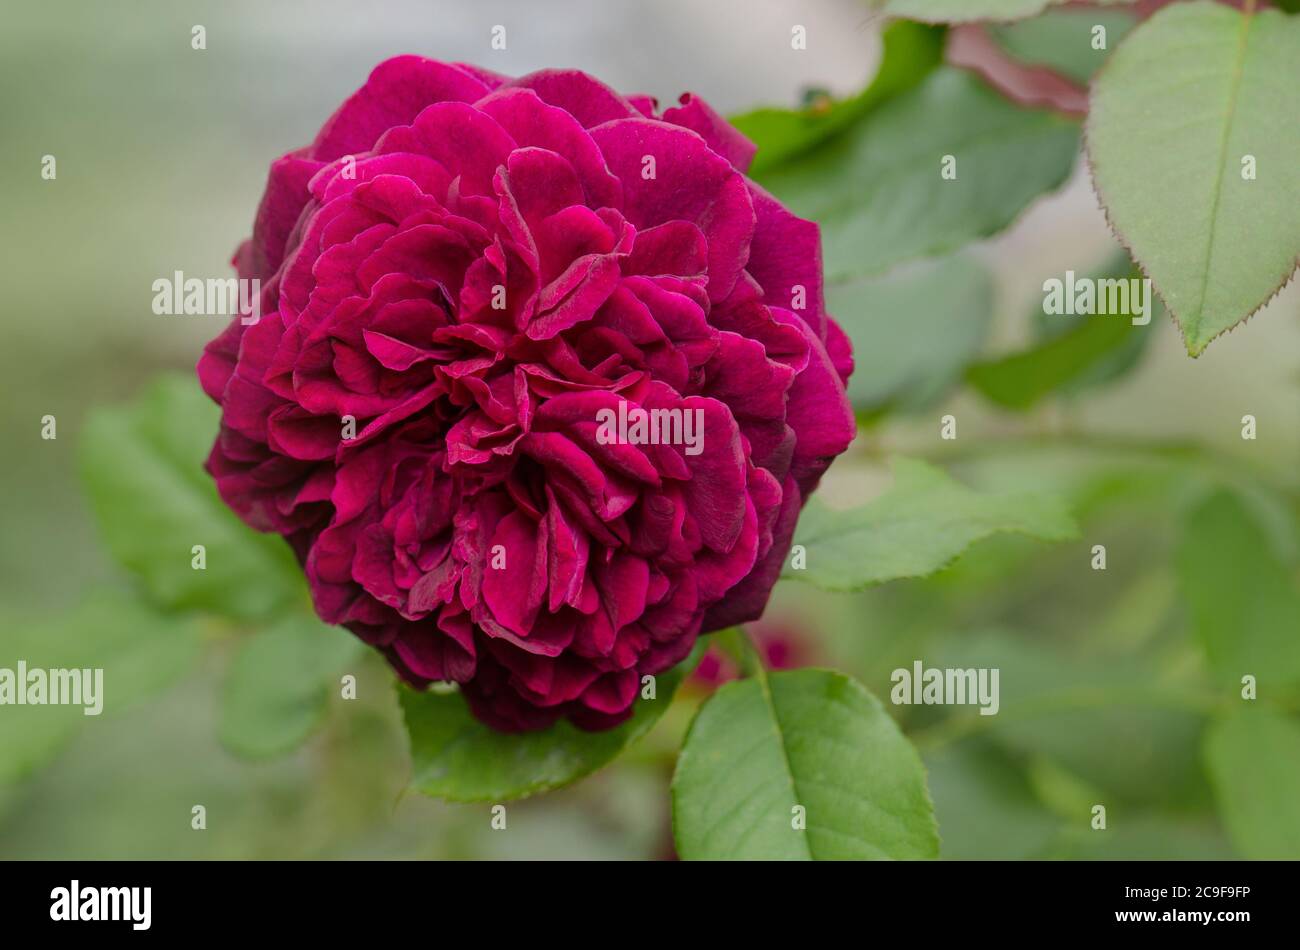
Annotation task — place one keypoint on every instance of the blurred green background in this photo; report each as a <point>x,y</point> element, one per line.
<point>1109,689</point>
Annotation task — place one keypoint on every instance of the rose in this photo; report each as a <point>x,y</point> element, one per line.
<point>459,274</point>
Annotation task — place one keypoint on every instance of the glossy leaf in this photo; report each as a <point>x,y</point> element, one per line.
<point>142,465</point>
<point>913,331</point>
<point>456,757</point>
<point>910,52</point>
<point>1072,352</point>
<point>986,806</point>
<point>1243,599</point>
<point>1122,729</point>
<point>1062,40</point>
<point>877,190</point>
<point>280,682</point>
<point>802,765</point>
<point>920,524</point>
<point>1191,103</point>
<point>965,11</point>
<point>1254,760</point>
<point>139,652</point>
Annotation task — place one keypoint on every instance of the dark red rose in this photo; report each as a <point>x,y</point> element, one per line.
<point>467,270</point>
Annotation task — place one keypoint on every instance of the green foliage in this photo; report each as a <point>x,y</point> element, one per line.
<point>913,330</point>
<point>987,807</point>
<point>1062,40</point>
<point>1186,99</point>
<point>1020,380</point>
<point>876,189</point>
<point>1243,599</point>
<point>142,465</point>
<point>763,748</point>
<point>917,527</point>
<point>1142,836</point>
<point>961,11</point>
<point>1254,759</point>
<point>1071,353</point>
<point>965,11</point>
<point>140,653</point>
<point>279,685</point>
<point>456,757</point>
<point>910,52</point>
<point>143,468</point>
<point>1126,729</point>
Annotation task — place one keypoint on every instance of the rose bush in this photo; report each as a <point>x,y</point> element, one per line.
<point>467,269</point>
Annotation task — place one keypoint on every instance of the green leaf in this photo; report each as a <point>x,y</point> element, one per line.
<point>1061,40</point>
<point>1117,362</point>
<point>876,190</point>
<point>1138,836</point>
<point>914,330</point>
<point>760,749</point>
<point>1020,380</point>
<point>1241,596</point>
<point>918,526</point>
<point>1077,351</point>
<point>127,787</point>
<point>143,468</point>
<point>279,685</point>
<point>986,805</point>
<point>961,11</point>
<point>139,651</point>
<point>910,52</point>
<point>1254,760</point>
<point>456,757</point>
<point>965,11</point>
<point>1122,728</point>
<point>1183,100</point>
